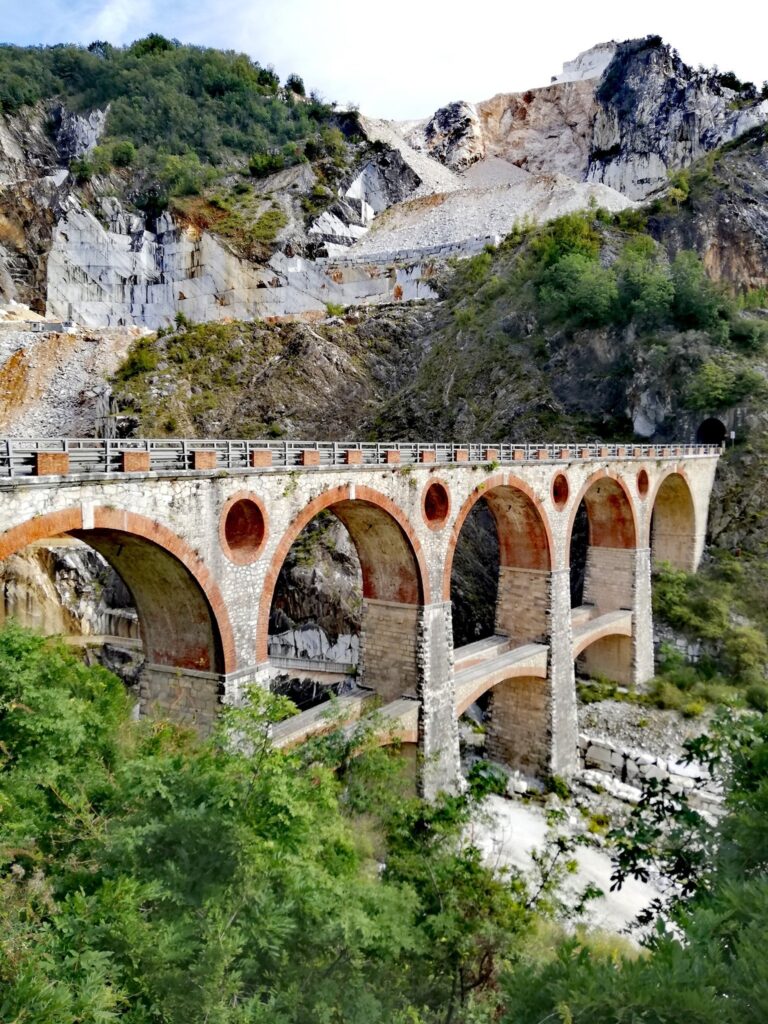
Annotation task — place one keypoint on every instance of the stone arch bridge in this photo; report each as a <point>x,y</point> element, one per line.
<point>199,530</point>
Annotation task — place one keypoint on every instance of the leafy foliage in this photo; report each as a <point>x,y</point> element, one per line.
<point>707,970</point>
<point>175,111</point>
<point>149,877</point>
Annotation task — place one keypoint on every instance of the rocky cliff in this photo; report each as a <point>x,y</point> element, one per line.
<point>368,225</point>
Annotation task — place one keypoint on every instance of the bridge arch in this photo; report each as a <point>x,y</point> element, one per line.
<point>672,524</point>
<point>185,629</point>
<point>525,536</point>
<point>610,510</point>
<point>602,558</point>
<point>395,582</point>
<point>524,552</point>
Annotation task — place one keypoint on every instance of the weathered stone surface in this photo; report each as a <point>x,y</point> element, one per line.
<point>78,134</point>
<point>454,135</point>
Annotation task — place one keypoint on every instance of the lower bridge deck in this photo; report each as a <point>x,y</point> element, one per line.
<point>478,667</point>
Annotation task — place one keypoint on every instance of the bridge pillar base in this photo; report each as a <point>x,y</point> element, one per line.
<point>183,696</point>
<point>642,619</point>
<point>561,679</point>
<point>439,767</point>
<point>192,698</point>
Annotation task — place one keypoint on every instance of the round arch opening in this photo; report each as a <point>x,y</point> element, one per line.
<point>497,570</point>
<point>243,529</point>
<point>159,597</point>
<point>362,551</point>
<point>673,524</point>
<point>711,431</point>
<point>602,538</point>
<point>436,505</point>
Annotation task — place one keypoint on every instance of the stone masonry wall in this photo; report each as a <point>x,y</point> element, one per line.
<point>388,644</point>
<point>609,578</point>
<point>438,726</point>
<point>522,605</point>
<point>190,699</point>
<point>518,734</point>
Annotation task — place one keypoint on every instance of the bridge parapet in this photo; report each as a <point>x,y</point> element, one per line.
<point>87,456</point>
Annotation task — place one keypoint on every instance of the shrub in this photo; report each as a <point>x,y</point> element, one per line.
<point>577,288</point>
<point>757,696</point>
<point>295,83</point>
<point>645,289</point>
<point>123,153</point>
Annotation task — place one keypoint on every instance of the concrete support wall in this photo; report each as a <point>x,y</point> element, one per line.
<point>522,605</point>
<point>519,735</point>
<point>609,578</point>
<point>388,648</point>
<point>438,726</point>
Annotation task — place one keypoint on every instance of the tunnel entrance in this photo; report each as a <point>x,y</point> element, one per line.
<point>711,431</point>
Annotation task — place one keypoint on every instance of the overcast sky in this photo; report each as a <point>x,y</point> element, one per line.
<point>403,60</point>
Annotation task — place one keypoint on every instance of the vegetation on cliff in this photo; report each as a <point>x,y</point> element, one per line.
<point>178,116</point>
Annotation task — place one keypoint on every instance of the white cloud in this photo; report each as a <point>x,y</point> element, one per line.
<point>404,59</point>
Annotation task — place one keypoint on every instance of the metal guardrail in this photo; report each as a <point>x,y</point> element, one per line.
<point>312,665</point>
<point>20,457</point>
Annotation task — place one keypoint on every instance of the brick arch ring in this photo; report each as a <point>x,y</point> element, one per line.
<point>334,496</point>
<point>70,520</point>
<point>654,494</point>
<point>602,474</point>
<point>482,491</point>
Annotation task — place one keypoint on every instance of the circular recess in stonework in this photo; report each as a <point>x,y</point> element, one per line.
<point>642,483</point>
<point>560,490</point>
<point>436,505</point>
<point>243,529</point>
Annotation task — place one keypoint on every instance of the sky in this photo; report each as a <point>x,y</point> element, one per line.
<point>400,59</point>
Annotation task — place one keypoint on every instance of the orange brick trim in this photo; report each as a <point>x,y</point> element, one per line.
<point>326,500</point>
<point>482,491</point>
<point>40,528</point>
<point>260,458</point>
<point>353,457</point>
<point>392,457</point>
<point>134,462</point>
<point>243,557</point>
<point>622,541</point>
<point>204,459</point>
<point>310,457</point>
<point>51,463</point>
<point>461,455</point>
<point>71,520</point>
<point>426,456</point>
